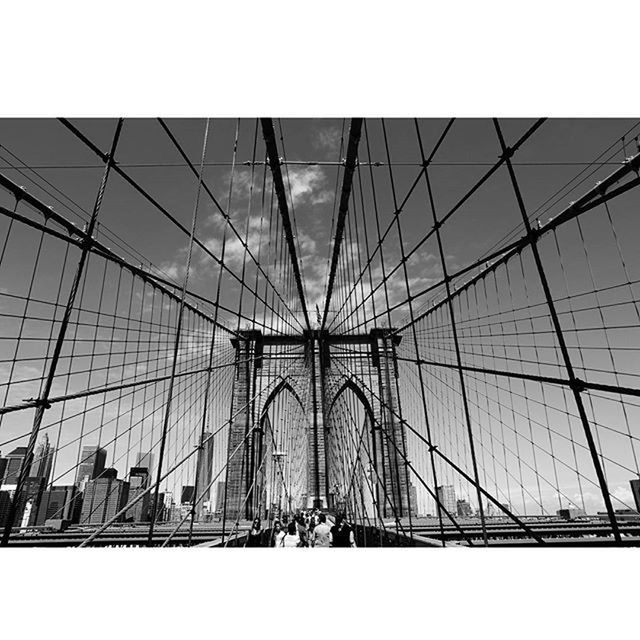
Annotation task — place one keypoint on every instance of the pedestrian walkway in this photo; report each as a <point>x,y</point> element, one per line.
<point>301,532</point>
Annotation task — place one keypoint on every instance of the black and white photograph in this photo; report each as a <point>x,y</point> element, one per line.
<point>235,324</point>
<point>305,333</point>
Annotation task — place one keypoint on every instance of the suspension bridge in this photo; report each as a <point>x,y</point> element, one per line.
<point>432,326</point>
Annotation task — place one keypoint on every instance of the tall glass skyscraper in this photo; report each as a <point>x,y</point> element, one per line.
<point>92,460</point>
<point>204,473</point>
<point>145,460</point>
<point>43,460</point>
<point>447,497</point>
<point>14,462</point>
<point>138,482</point>
<point>103,498</point>
<point>58,503</point>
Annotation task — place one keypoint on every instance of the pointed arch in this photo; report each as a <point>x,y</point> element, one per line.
<point>349,384</point>
<point>281,386</point>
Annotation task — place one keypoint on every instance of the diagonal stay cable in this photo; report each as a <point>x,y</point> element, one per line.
<point>223,213</point>
<point>167,473</point>
<point>206,491</point>
<point>398,211</point>
<point>597,195</point>
<point>77,236</point>
<point>450,462</point>
<point>448,215</point>
<point>201,245</point>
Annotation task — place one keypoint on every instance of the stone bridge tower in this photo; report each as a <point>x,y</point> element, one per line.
<point>314,370</point>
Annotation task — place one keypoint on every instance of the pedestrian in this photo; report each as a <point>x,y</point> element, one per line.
<point>311,525</point>
<point>277,534</point>
<point>291,538</point>
<point>302,531</point>
<point>321,533</point>
<point>342,533</point>
<point>256,534</point>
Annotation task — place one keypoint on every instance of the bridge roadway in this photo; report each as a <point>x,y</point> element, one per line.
<point>502,532</point>
<point>125,536</point>
<point>426,531</point>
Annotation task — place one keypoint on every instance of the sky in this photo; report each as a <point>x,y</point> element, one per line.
<point>552,170</point>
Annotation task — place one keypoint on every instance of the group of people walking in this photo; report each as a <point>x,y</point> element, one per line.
<point>304,530</point>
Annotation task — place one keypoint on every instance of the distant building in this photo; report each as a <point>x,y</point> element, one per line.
<point>29,502</point>
<point>204,472</point>
<point>186,497</point>
<point>173,513</point>
<point>13,464</point>
<point>160,512</point>
<point>447,498</point>
<point>145,460</point>
<point>103,498</point>
<point>168,505</point>
<point>92,461</point>
<point>138,483</point>
<point>58,503</point>
<point>43,460</point>
<point>570,514</point>
<point>184,511</point>
<point>413,498</point>
<point>463,509</point>
<point>220,498</point>
<point>622,515</point>
<point>635,489</point>
<point>5,503</point>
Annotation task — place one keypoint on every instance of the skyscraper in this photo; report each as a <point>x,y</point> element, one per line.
<point>204,472</point>
<point>14,462</point>
<point>413,497</point>
<point>160,513</point>
<point>145,460</point>
<point>58,503</point>
<point>91,465</point>
<point>168,503</point>
<point>5,503</point>
<point>138,482</point>
<point>29,502</point>
<point>43,460</point>
<point>103,498</point>
<point>635,489</point>
<point>187,494</point>
<point>220,497</point>
<point>447,498</point>
<point>171,510</point>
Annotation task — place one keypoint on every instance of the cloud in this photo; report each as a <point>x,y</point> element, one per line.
<point>307,185</point>
<point>425,255</point>
<point>327,139</point>
<point>303,184</point>
<point>173,270</point>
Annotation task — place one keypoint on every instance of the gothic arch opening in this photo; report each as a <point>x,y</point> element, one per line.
<point>282,449</point>
<point>353,486</point>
